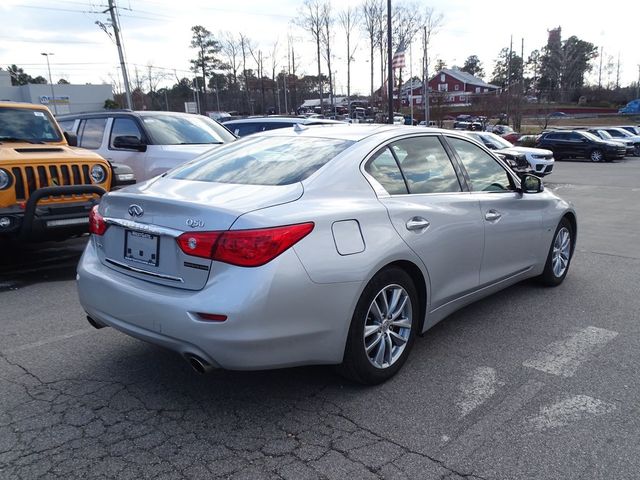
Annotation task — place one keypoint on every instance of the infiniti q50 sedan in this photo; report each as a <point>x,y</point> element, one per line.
<point>318,245</point>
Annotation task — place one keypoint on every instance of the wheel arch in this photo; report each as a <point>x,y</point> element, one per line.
<point>419,281</point>
<point>571,217</point>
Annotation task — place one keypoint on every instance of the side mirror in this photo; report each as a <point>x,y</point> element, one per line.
<point>122,175</point>
<point>531,184</point>
<point>71,138</point>
<point>129,142</point>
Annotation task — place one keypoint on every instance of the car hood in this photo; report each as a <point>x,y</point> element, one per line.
<point>186,151</point>
<point>533,151</point>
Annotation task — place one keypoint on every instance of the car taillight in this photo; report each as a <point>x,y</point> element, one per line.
<point>97,225</point>
<point>245,248</point>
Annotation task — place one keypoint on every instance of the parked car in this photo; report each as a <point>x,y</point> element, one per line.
<point>538,160</point>
<point>580,144</point>
<point>604,135</point>
<point>47,187</point>
<point>619,133</point>
<point>633,107</point>
<point>632,129</point>
<point>322,246</point>
<point>149,142</point>
<point>248,126</point>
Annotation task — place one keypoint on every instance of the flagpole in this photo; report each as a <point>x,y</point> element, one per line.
<point>390,67</point>
<point>411,80</point>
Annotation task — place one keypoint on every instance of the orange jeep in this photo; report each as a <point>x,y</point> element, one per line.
<point>47,187</point>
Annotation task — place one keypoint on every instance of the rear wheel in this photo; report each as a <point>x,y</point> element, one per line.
<point>559,256</point>
<point>596,155</point>
<point>383,328</point>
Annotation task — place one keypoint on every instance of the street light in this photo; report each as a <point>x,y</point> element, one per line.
<point>53,99</point>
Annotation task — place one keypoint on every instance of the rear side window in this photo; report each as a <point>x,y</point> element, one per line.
<point>92,132</point>
<point>426,165</point>
<point>384,168</point>
<point>66,125</point>
<point>263,161</point>
<point>244,129</point>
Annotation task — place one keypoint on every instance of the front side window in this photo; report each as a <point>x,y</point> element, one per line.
<point>22,124</point>
<point>244,129</point>
<point>384,168</point>
<point>263,161</point>
<point>426,165</point>
<point>67,125</point>
<point>92,132</point>
<point>124,127</point>
<point>485,173</point>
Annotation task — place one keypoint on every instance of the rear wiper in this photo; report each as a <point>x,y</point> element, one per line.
<point>17,139</point>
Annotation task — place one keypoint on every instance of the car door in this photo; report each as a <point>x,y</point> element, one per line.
<point>430,210</point>
<point>127,126</point>
<point>512,221</point>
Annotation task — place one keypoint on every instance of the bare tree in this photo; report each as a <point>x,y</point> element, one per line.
<point>371,11</point>
<point>245,48</point>
<point>232,54</point>
<point>432,22</point>
<point>310,19</point>
<point>348,18</point>
<point>274,65</point>
<point>325,37</point>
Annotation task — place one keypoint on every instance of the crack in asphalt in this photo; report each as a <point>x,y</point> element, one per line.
<point>115,428</point>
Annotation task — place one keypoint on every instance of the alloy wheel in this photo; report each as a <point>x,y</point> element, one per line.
<point>596,156</point>
<point>561,252</point>
<point>387,326</point>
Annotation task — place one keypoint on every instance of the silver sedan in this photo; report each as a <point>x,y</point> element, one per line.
<point>318,245</point>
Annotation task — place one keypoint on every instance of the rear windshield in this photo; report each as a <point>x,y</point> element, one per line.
<point>263,161</point>
<point>21,124</point>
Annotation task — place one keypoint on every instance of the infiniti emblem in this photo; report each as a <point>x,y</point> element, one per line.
<point>135,210</point>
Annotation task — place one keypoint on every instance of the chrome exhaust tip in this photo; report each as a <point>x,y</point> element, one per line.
<point>94,323</point>
<point>199,365</point>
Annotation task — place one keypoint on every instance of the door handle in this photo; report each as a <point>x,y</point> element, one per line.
<point>417,223</point>
<point>492,215</point>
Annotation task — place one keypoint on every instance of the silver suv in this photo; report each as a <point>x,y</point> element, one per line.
<point>149,142</point>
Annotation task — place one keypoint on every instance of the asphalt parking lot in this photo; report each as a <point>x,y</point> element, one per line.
<point>532,383</point>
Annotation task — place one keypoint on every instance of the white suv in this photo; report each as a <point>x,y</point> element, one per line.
<point>149,142</point>
<point>541,160</point>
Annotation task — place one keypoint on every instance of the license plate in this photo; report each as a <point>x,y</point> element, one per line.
<point>141,247</point>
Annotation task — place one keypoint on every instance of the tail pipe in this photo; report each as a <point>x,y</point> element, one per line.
<point>198,364</point>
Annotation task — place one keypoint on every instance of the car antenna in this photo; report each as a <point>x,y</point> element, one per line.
<point>298,127</point>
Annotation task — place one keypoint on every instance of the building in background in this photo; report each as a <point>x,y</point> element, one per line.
<point>68,98</point>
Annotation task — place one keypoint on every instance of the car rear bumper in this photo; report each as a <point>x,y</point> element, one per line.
<point>276,316</point>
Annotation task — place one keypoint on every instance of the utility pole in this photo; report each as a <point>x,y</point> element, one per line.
<point>116,32</point>
<point>600,69</point>
<point>389,66</point>
<point>425,79</point>
<point>53,98</point>
<point>284,82</point>
<point>638,84</point>
<point>509,77</point>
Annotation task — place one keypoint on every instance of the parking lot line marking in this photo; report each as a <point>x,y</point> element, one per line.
<point>47,341</point>
<point>564,357</point>
<point>477,389</point>
<point>569,410</point>
<point>481,431</point>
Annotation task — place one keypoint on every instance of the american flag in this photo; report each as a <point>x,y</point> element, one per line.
<point>398,58</point>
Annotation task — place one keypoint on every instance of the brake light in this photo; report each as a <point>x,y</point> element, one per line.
<point>245,248</point>
<point>97,225</point>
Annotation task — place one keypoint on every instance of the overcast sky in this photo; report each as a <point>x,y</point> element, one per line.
<point>157,32</point>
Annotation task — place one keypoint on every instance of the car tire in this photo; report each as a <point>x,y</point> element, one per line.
<point>596,155</point>
<point>636,150</point>
<point>390,331</point>
<point>559,256</point>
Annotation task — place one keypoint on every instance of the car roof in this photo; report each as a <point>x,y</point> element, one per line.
<point>122,113</point>
<point>25,105</point>
<point>302,120</point>
<point>350,131</point>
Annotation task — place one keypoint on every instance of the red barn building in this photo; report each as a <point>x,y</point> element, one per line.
<point>457,87</point>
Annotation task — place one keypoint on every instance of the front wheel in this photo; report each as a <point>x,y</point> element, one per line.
<point>383,328</point>
<point>596,155</point>
<point>559,257</point>
<point>636,150</point>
